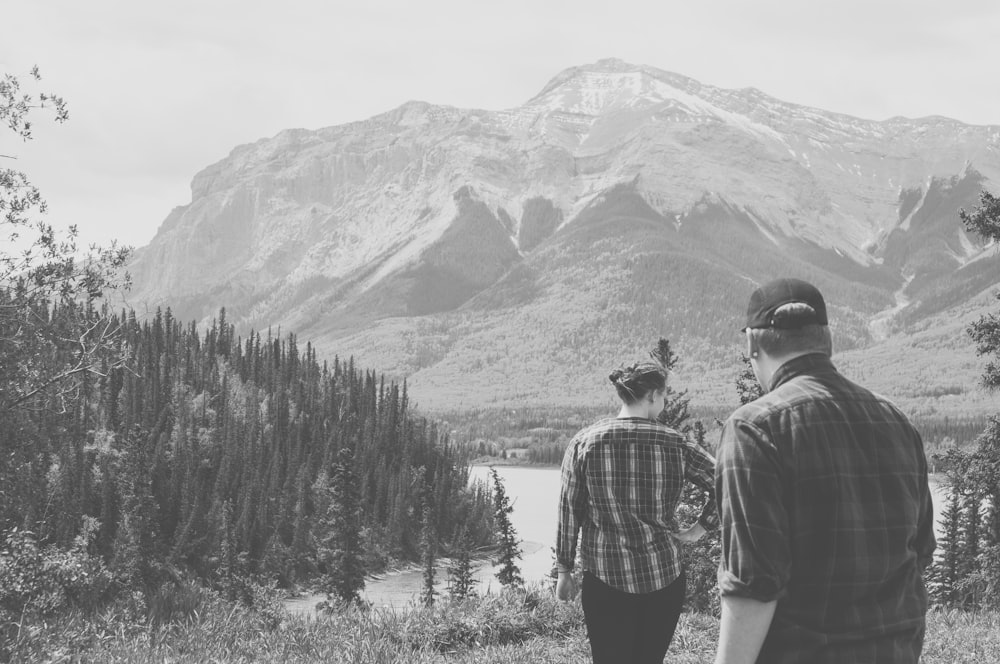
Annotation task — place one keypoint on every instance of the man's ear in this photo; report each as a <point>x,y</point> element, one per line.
<point>753,350</point>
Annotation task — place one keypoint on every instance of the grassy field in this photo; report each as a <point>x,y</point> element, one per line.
<point>520,628</point>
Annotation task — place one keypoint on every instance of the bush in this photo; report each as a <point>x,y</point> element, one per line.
<point>176,602</point>
<point>701,569</point>
<point>43,582</point>
<point>700,559</point>
<point>39,584</point>
<point>514,616</point>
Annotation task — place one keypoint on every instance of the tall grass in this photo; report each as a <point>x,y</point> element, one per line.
<point>523,627</point>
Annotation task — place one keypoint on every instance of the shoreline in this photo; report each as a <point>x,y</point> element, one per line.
<point>504,463</point>
<point>398,588</point>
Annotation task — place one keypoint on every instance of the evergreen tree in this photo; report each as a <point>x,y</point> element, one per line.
<point>971,532</point>
<point>968,565</point>
<point>509,545</point>
<point>984,468</point>
<point>340,550</point>
<point>747,386</point>
<point>985,220</point>
<point>461,583</point>
<point>229,568</point>
<point>134,553</point>
<point>675,409</point>
<point>428,550</point>
<point>945,572</point>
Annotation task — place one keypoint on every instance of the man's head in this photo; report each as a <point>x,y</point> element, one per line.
<point>785,318</point>
<point>766,301</point>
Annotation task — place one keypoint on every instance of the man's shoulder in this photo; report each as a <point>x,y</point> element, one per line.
<point>808,391</point>
<point>764,406</point>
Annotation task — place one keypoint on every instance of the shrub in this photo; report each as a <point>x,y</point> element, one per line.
<point>514,616</point>
<point>701,561</point>
<point>176,602</point>
<point>43,582</point>
<point>39,584</point>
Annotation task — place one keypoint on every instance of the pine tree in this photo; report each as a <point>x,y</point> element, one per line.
<point>134,543</point>
<point>428,551</point>
<point>340,549</point>
<point>461,583</point>
<point>675,409</point>
<point>984,467</point>
<point>747,386</point>
<point>945,572</point>
<point>985,221</point>
<point>229,568</point>
<point>509,545</point>
<point>971,531</point>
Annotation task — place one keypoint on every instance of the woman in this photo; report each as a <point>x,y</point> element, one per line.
<point>622,479</point>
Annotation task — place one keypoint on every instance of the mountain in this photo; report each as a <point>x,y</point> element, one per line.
<point>497,258</point>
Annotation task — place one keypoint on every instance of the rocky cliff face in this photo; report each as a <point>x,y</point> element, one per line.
<point>514,252</point>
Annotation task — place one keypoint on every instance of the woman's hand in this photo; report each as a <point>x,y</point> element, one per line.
<point>692,534</point>
<point>566,586</point>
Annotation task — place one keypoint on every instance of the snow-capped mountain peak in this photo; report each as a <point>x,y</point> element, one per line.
<point>429,208</point>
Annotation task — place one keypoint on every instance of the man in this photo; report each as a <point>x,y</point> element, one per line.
<point>826,515</point>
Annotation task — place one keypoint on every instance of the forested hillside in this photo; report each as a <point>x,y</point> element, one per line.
<point>199,452</point>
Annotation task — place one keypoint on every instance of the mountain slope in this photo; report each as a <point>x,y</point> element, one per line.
<point>500,257</point>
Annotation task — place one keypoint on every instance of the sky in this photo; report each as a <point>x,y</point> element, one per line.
<point>159,91</point>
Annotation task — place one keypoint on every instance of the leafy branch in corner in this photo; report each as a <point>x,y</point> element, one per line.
<point>52,331</point>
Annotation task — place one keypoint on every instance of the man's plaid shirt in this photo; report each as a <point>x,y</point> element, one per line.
<point>822,489</point>
<point>621,482</point>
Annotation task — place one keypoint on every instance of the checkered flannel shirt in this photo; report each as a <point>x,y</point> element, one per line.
<point>825,507</point>
<point>621,482</point>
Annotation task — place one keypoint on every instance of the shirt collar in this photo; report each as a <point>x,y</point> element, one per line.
<point>803,364</point>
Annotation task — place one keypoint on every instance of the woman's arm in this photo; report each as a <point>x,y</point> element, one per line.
<point>566,586</point>
<point>692,534</point>
<point>699,469</point>
<point>572,499</point>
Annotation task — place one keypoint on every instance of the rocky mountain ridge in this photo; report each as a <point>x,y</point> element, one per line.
<point>440,243</point>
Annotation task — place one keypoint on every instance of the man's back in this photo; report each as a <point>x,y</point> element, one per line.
<point>827,510</point>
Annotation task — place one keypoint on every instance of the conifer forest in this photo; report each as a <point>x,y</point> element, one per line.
<point>199,453</point>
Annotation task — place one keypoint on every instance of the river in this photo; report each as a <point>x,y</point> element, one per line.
<point>534,495</point>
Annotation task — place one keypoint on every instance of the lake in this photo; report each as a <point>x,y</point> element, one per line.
<point>534,495</point>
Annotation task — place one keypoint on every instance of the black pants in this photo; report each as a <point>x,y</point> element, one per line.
<point>626,628</point>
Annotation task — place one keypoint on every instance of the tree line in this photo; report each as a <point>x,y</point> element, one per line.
<point>966,571</point>
<point>208,454</point>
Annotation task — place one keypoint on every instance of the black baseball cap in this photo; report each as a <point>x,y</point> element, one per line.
<point>774,294</point>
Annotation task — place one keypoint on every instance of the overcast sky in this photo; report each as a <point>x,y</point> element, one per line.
<point>158,92</point>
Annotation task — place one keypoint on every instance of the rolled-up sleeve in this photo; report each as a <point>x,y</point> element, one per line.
<point>572,506</point>
<point>755,560</point>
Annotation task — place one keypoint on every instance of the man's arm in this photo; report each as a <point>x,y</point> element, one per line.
<point>756,564</point>
<point>744,626</point>
<point>926,542</point>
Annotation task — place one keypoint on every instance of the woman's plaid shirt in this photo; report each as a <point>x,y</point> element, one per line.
<point>621,482</point>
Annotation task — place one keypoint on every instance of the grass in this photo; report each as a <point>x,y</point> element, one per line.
<point>961,637</point>
<point>517,628</point>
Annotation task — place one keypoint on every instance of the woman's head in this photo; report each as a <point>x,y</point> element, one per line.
<point>637,382</point>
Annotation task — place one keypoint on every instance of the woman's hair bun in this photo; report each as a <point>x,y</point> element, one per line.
<point>635,381</point>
